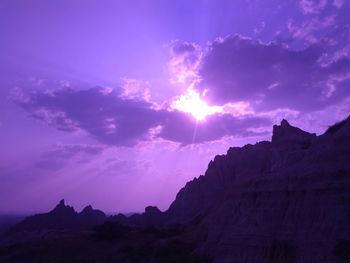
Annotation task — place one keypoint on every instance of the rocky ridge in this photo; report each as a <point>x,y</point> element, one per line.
<point>62,217</point>
<point>287,200</point>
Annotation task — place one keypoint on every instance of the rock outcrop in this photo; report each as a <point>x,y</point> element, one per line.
<point>62,217</point>
<point>282,201</point>
<point>152,216</point>
<point>287,200</point>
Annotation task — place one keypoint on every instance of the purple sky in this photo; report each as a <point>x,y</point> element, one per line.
<point>119,103</point>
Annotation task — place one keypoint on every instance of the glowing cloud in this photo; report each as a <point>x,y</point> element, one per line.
<point>192,103</point>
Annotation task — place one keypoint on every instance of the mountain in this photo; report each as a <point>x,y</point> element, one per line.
<point>152,216</point>
<point>284,200</point>
<point>62,217</point>
<point>287,200</point>
<point>7,221</point>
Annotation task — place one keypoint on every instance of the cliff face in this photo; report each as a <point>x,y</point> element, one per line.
<point>287,200</point>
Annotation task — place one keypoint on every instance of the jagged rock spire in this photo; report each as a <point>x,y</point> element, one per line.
<point>61,203</point>
<point>284,123</point>
<point>62,208</point>
<point>287,133</point>
<point>87,209</point>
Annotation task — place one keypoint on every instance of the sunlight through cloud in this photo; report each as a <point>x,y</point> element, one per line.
<point>192,103</point>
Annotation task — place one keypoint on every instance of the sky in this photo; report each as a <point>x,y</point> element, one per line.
<point>118,104</point>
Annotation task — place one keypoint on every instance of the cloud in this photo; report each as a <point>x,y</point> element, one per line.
<point>308,29</point>
<point>98,111</point>
<point>113,120</point>
<point>325,21</point>
<point>135,89</point>
<point>338,3</point>
<point>184,60</point>
<point>272,75</point>
<point>312,6</point>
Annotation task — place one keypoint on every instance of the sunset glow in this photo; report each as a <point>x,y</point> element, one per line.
<point>192,103</point>
<point>124,102</point>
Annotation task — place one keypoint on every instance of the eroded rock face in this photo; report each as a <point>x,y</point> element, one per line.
<point>282,201</point>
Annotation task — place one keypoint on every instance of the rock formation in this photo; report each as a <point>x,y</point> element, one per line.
<point>62,217</point>
<point>287,200</point>
<point>282,201</point>
<point>151,217</point>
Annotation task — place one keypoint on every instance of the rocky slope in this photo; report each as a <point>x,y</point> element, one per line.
<point>287,200</point>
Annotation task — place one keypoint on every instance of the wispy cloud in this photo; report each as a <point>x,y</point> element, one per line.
<point>312,6</point>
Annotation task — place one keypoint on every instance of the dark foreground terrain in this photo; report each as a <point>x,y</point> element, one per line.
<point>287,200</point>
<point>109,243</point>
<point>8,220</point>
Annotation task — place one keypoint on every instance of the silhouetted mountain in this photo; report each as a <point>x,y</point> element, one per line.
<point>287,200</point>
<point>151,217</point>
<point>62,217</point>
<point>92,216</point>
<point>280,201</point>
<point>9,220</point>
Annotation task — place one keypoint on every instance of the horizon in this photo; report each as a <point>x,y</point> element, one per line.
<point>117,104</point>
<point>126,213</point>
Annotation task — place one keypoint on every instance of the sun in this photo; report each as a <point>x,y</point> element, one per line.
<point>192,103</point>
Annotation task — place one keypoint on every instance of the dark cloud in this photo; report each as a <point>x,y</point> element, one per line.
<point>118,121</point>
<point>272,75</point>
<point>98,111</point>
